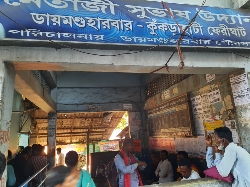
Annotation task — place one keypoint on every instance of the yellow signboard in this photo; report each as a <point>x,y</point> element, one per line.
<point>210,126</point>
<point>79,148</point>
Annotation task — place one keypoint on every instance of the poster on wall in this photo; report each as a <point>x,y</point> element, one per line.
<point>197,106</point>
<point>167,144</point>
<point>240,89</point>
<point>214,96</point>
<point>210,77</point>
<point>109,146</point>
<point>211,125</point>
<point>231,124</point>
<point>206,106</point>
<point>170,118</point>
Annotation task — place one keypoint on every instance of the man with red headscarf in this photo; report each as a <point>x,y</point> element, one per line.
<point>127,165</point>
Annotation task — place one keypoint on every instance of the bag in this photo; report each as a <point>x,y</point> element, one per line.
<point>213,173</point>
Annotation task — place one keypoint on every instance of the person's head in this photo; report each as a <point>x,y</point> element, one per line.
<point>9,155</point>
<point>185,167</point>
<point>164,155</point>
<point>57,175</point>
<point>181,155</point>
<point>58,150</point>
<point>35,149</point>
<point>128,145</point>
<point>154,156</point>
<point>20,149</point>
<point>29,149</point>
<point>25,154</point>
<point>223,137</point>
<point>71,159</point>
<point>2,164</point>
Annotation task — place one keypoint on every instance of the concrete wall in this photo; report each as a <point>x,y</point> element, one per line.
<point>15,122</point>
<point>224,110</point>
<point>243,114</point>
<point>7,79</point>
<point>83,91</point>
<point>14,136</point>
<point>241,3</point>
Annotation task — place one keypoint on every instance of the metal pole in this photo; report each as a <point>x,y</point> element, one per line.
<point>93,147</point>
<point>87,157</point>
<point>33,176</point>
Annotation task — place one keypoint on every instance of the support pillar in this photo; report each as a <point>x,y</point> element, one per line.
<point>87,155</point>
<point>144,130</point>
<point>51,140</point>
<point>241,4</point>
<point>7,81</point>
<point>93,147</point>
<point>243,119</point>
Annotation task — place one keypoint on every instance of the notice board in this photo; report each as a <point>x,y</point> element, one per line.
<point>171,118</point>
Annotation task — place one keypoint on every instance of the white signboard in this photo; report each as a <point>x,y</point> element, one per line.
<point>214,97</point>
<point>231,124</point>
<point>240,89</point>
<point>197,106</point>
<point>210,77</point>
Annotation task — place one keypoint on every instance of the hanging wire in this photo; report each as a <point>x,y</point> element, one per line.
<point>181,65</point>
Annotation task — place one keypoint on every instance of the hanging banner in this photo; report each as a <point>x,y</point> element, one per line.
<point>109,146</point>
<point>123,22</point>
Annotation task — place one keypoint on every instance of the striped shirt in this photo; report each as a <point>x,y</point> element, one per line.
<point>38,162</point>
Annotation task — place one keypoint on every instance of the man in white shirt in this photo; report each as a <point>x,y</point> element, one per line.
<point>164,170</point>
<point>186,170</point>
<point>61,157</point>
<point>236,160</point>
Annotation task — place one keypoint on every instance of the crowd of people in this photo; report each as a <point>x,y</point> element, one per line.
<point>161,168</point>
<point>30,160</point>
<point>229,159</point>
<point>233,160</point>
<point>27,162</point>
<point>69,175</point>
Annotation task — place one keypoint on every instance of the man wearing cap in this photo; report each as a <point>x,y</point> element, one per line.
<point>127,165</point>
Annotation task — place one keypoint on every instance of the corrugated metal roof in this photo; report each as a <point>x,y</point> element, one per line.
<point>73,127</point>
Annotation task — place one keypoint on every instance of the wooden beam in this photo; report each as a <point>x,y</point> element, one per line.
<point>88,141</point>
<point>69,133</point>
<point>43,119</point>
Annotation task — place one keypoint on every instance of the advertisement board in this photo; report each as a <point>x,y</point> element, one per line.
<point>122,22</point>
